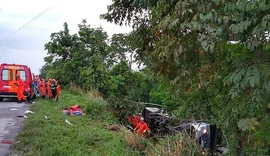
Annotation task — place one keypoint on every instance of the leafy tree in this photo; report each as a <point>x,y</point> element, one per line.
<point>78,58</point>
<point>43,71</point>
<point>93,62</point>
<point>126,88</point>
<point>119,49</point>
<point>62,50</point>
<point>191,44</point>
<point>93,68</point>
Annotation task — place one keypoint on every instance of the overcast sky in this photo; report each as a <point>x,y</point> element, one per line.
<point>26,46</point>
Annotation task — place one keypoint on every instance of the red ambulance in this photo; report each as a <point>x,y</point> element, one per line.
<point>8,73</point>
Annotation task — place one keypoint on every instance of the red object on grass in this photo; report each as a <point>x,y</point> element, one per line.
<point>75,108</point>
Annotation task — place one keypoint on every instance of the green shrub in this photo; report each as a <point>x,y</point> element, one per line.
<point>95,108</point>
<point>75,90</point>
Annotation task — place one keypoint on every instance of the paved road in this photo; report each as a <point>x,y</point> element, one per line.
<point>10,122</point>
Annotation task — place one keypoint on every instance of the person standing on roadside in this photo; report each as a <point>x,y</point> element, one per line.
<point>49,88</point>
<point>53,87</point>
<point>58,90</point>
<point>35,85</point>
<point>41,85</point>
<point>20,88</point>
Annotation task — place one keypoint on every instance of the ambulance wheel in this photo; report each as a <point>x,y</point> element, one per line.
<point>1,99</point>
<point>28,98</point>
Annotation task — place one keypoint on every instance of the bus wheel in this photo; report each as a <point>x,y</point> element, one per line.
<point>1,99</point>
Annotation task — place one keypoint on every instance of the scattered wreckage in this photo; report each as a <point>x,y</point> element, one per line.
<point>160,123</point>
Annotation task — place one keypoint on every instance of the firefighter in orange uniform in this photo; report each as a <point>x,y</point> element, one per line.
<point>41,86</point>
<point>134,119</point>
<point>49,88</point>
<point>141,128</point>
<point>137,119</point>
<point>20,89</point>
<point>58,90</point>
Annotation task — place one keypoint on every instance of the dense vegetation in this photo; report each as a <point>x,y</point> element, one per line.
<point>203,59</point>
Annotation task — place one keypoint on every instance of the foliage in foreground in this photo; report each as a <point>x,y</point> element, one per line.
<point>87,136</point>
<point>188,45</point>
<point>180,144</point>
<point>215,53</point>
<point>97,133</point>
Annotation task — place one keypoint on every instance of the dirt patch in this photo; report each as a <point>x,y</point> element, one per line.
<point>115,127</point>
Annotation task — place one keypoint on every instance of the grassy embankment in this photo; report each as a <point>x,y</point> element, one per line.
<point>87,136</point>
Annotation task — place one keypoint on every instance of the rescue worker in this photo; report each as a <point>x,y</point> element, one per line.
<point>58,90</point>
<point>41,86</point>
<point>53,87</point>
<point>141,128</point>
<point>20,89</point>
<point>138,118</point>
<point>134,119</point>
<point>48,88</point>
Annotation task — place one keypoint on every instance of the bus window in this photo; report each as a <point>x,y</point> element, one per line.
<point>22,74</point>
<point>7,75</point>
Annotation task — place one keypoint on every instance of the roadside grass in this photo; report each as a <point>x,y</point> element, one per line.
<point>176,145</point>
<point>88,136</point>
